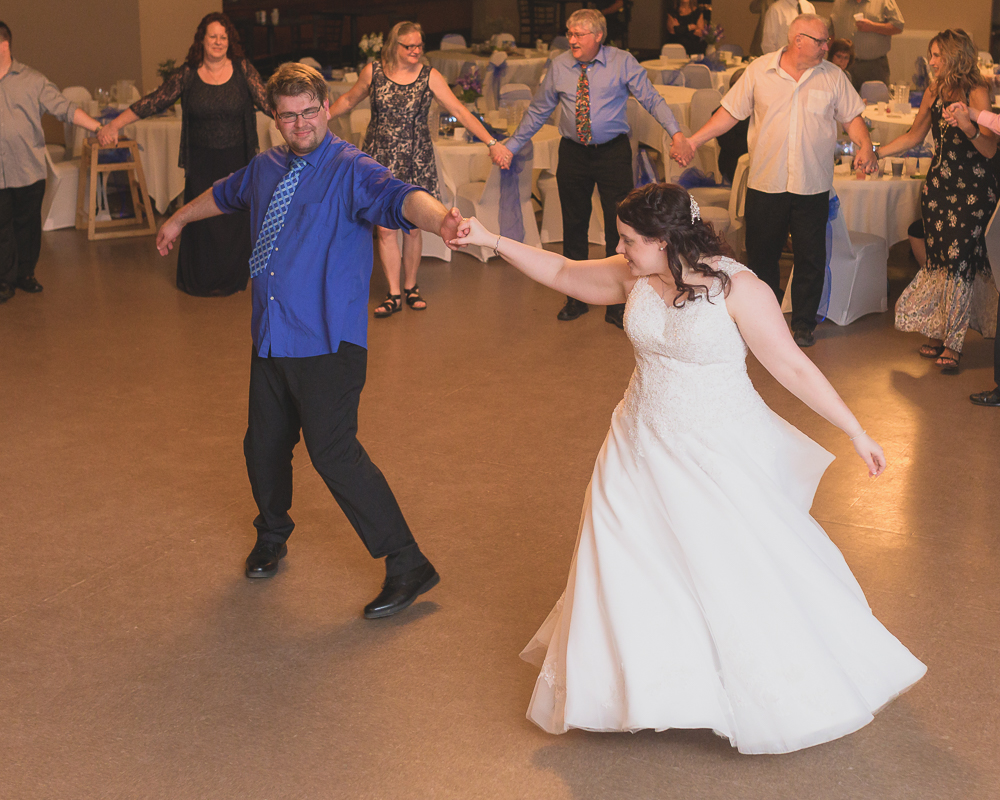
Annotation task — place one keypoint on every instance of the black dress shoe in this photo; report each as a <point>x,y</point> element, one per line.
<point>400,591</point>
<point>803,337</point>
<point>615,315</point>
<point>572,310</point>
<point>6,292</point>
<point>987,398</point>
<point>263,559</point>
<point>29,284</point>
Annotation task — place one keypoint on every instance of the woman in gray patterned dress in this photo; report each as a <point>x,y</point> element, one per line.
<point>401,87</point>
<point>954,290</point>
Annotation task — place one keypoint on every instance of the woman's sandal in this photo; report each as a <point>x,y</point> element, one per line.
<point>949,365</point>
<point>391,304</point>
<point>931,351</point>
<point>413,297</point>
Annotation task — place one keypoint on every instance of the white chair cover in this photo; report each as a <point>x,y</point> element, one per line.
<point>704,103</point>
<point>490,90</point>
<point>857,274</point>
<point>500,39</point>
<point>360,117</point>
<point>697,76</point>
<point>309,61</point>
<point>512,93</point>
<point>453,41</point>
<point>737,206</point>
<point>552,221</point>
<point>75,135</point>
<point>735,49</point>
<point>671,77</point>
<point>673,51</point>
<point>59,202</point>
<point>875,92</point>
<point>985,57</point>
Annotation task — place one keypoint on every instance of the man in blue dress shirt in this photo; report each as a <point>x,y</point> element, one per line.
<point>309,324</point>
<point>591,85</point>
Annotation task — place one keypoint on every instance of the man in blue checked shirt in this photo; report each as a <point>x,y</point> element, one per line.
<point>591,85</point>
<point>309,324</point>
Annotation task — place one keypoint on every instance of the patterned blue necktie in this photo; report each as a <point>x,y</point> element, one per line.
<point>275,217</point>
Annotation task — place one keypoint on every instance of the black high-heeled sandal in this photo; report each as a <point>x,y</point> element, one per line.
<point>931,350</point>
<point>413,296</point>
<point>391,305</point>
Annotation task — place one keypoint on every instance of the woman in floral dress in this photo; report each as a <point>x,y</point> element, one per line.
<point>401,87</point>
<point>955,290</point>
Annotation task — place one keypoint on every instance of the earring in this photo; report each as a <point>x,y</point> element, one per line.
<point>663,248</point>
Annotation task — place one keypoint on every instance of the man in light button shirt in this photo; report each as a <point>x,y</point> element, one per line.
<point>797,99</point>
<point>870,24</point>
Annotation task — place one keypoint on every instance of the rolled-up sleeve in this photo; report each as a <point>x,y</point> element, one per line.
<point>650,99</point>
<point>377,197</point>
<point>892,14</point>
<point>233,193</point>
<point>53,102</point>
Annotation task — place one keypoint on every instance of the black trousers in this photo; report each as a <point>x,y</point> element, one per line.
<point>20,230</point>
<point>581,167</point>
<point>996,351</point>
<point>769,218</point>
<point>320,395</point>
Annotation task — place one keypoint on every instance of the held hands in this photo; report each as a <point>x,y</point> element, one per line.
<point>870,453</point>
<point>865,161</point>
<point>169,231</point>
<point>501,156</point>
<point>107,136</point>
<point>471,231</point>
<point>959,115</point>
<point>451,228</point>
<point>681,150</point>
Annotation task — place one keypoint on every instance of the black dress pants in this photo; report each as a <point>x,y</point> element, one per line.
<point>320,395</point>
<point>20,231</point>
<point>769,218</point>
<point>581,167</point>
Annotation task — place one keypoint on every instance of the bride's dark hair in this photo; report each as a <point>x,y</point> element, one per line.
<point>662,211</point>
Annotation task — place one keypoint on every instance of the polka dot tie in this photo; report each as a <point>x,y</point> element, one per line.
<point>274,219</point>
<point>583,106</point>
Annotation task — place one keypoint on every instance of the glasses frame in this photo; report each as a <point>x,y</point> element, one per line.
<point>570,36</point>
<point>820,42</point>
<point>412,48</point>
<point>290,117</point>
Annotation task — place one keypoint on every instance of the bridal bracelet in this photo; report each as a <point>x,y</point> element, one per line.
<point>496,247</point>
<point>855,436</point>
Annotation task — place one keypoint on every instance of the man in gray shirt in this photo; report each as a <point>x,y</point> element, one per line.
<point>870,24</point>
<point>24,96</point>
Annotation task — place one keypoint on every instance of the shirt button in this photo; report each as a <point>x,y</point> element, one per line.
<point>272,273</point>
<point>272,297</point>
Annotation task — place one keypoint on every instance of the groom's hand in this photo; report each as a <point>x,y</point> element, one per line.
<point>450,227</point>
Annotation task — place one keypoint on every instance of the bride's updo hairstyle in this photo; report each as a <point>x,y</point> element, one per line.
<point>662,212</point>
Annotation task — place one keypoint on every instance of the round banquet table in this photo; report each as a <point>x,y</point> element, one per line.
<point>341,126</point>
<point>881,206</point>
<point>887,126</point>
<point>523,66</point>
<point>720,80</point>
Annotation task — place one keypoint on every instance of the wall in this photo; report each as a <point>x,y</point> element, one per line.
<point>166,30</point>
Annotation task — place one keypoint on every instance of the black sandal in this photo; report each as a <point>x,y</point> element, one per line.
<point>931,351</point>
<point>390,306</point>
<point>413,296</point>
<point>949,365</point>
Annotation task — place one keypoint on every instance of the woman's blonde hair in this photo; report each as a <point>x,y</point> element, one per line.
<point>959,73</point>
<point>390,50</point>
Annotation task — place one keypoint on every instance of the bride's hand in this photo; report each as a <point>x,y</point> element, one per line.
<point>471,231</point>
<point>870,453</point>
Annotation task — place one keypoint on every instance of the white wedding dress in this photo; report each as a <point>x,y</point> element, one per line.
<point>701,593</point>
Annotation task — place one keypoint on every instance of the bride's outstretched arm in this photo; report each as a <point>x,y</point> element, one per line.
<point>752,305</point>
<point>601,282</point>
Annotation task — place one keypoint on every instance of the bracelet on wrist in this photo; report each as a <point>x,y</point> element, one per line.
<point>975,135</point>
<point>855,436</point>
<point>496,247</point>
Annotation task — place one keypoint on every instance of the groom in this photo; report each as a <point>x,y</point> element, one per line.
<point>309,324</point>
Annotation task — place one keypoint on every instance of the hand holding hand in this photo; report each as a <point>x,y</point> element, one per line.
<point>681,150</point>
<point>169,231</point>
<point>471,231</point>
<point>107,136</point>
<point>958,115</point>
<point>450,227</point>
<point>870,453</point>
<point>501,156</point>
<point>865,161</point>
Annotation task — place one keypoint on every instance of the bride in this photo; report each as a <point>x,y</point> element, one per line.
<point>701,593</point>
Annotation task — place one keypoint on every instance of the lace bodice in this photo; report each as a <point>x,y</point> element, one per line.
<point>690,362</point>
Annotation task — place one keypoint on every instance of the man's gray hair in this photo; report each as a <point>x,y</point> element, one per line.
<point>801,21</point>
<point>291,80</point>
<point>591,19</point>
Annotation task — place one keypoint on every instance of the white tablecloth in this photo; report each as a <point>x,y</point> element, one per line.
<point>159,140</point>
<point>644,129</point>
<point>881,206</point>
<point>341,126</point>
<point>720,80</point>
<point>526,66</point>
<point>887,126</point>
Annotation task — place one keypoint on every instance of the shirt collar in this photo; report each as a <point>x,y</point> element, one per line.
<point>315,158</point>
<point>15,66</point>
<point>601,58</point>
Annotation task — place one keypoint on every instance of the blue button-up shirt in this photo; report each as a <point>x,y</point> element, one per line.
<point>313,295</point>
<point>613,75</point>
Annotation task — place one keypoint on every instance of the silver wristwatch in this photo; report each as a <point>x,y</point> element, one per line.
<point>491,142</point>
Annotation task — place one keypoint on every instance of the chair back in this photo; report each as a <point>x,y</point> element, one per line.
<point>737,200</point>
<point>453,41</point>
<point>875,92</point>
<point>697,76</point>
<point>560,43</point>
<point>735,49</point>
<point>673,51</point>
<point>73,135</point>
<point>512,93</point>
<point>704,103</point>
<point>309,61</point>
<point>467,68</point>
<point>500,39</point>
<point>985,57</point>
<point>671,77</point>
<point>360,117</point>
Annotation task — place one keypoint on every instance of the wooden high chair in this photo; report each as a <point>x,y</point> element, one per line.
<point>143,223</point>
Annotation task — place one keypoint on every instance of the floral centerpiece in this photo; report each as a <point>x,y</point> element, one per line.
<point>713,35</point>
<point>371,45</point>
<point>469,87</point>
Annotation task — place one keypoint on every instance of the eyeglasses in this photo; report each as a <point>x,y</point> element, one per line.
<point>291,116</point>
<point>820,42</point>
<point>412,48</point>
<point>571,35</point>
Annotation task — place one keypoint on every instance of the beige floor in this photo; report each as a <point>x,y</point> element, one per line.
<point>136,661</point>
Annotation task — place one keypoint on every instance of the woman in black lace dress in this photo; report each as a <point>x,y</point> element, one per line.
<point>401,87</point>
<point>219,90</point>
<point>954,290</point>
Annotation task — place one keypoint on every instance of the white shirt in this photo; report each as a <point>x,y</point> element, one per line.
<point>776,22</point>
<point>794,126</point>
<point>867,46</point>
